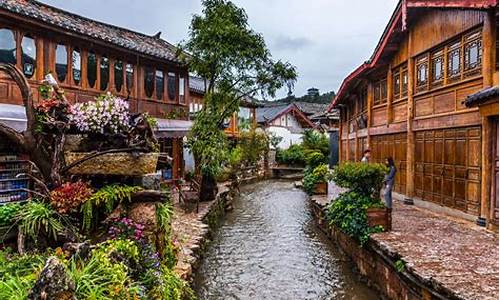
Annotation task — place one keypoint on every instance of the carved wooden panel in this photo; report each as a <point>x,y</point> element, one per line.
<point>447,167</point>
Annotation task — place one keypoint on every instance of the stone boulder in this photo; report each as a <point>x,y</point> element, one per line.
<point>53,283</point>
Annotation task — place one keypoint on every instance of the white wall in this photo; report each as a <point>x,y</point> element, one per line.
<point>289,138</point>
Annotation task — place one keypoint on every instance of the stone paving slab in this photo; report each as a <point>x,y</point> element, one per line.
<point>449,253</point>
<point>189,232</point>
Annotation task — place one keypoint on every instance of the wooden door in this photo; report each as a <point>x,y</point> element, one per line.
<point>494,175</point>
<point>447,167</point>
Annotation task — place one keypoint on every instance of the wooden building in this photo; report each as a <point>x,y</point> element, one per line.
<point>407,101</point>
<point>244,117</point>
<point>89,58</point>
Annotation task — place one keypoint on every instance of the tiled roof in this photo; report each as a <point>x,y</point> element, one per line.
<point>310,108</point>
<point>482,96</point>
<point>197,84</point>
<point>269,113</point>
<point>128,39</point>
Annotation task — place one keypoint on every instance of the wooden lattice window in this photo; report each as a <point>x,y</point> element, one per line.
<point>404,82</point>
<point>380,92</point>
<point>396,84</point>
<point>472,54</point>
<point>437,68</point>
<point>454,54</point>
<point>422,71</point>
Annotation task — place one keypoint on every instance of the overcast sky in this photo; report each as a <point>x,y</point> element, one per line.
<point>324,39</point>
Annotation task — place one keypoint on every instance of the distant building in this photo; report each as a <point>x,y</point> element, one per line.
<point>286,121</point>
<point>313,92</point>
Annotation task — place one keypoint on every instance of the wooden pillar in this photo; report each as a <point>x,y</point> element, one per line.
<point>369,112</point>
<point>390,95</point>
<point>341,148</point>
<point>111,75</point>
<point>488,51</point>
<point>410,135</point>
<point>486,165</point>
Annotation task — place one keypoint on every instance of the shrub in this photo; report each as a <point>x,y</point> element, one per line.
<point>18,273</point>
<point>315,159</point>
<point>8,212</point>
<point>314,176</point>
<point>253,145</point>
<point>348,213</point>
<point>69,196</point>
<point>37,217</point>
<point>294,155</point>
<point>362,178</point>
<point>313,140</point>
<point>321,173</point>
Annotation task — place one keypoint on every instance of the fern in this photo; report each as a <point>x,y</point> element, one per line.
<point>164,213</point>
<point>107,197</point>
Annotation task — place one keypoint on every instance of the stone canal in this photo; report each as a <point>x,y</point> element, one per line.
<point>268,247</point>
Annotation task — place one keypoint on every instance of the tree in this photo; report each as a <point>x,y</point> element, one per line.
<point>237,64</point>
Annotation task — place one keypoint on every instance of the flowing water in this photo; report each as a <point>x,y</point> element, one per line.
<point>268,247</point>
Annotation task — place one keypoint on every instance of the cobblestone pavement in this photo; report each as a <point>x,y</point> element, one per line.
<point>189,232</point>
<point>445,252</point>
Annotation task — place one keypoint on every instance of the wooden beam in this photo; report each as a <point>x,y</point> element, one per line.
<point>485,168</point>
<point>390,95</point>
<point>369,111</point>
<point>488,51</point>
<point>410,135</point>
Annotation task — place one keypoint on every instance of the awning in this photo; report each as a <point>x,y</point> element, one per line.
<point>172,128</point>
<point>13,116</point>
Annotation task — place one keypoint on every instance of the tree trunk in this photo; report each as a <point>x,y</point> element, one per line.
<point>208,189</point>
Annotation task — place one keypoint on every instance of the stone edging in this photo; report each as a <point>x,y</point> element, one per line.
<point>377,266</point>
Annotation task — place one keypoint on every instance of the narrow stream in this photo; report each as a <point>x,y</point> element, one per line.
<point>268,247</point>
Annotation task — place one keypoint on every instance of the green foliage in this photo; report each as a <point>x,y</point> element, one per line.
<point>37,217</point>
<point>237,64</point>
<point>164,212</point>
<point>316,158</point>
<point>18,273</point>
<point>314,141</point>
<point>321,172</point>
<point>293,156</point>
<point>362,178</point>
<point>325,98</point>
<point>400,265</point>
<point>254,145</point>
<point>8,212</point>
<point>102,276</point>
<point>107,197</point>
<point>207,141</point>
<point>313,176</point>
<point>309,181</point>
<point>348,213</point>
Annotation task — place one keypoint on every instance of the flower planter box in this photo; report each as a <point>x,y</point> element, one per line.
<point>378,216</point>
<point>321,188</point>
<point>122,163</point>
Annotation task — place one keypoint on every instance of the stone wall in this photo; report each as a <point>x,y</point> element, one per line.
<point>378,267</point>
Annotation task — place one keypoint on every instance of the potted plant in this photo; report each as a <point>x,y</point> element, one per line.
<point>320,174</point>
<point>364,182</point>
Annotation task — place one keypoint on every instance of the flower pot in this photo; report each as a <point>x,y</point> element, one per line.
<point>320,188</point>
<point>378,216</point>
<point>122,163</point>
